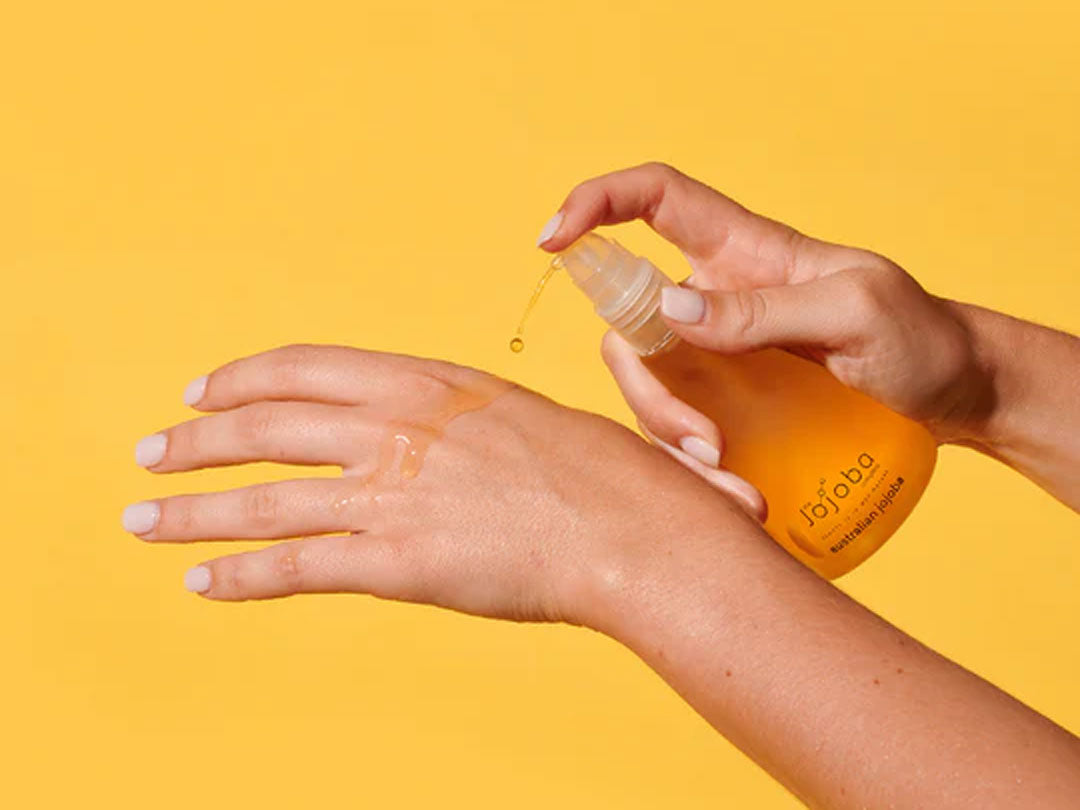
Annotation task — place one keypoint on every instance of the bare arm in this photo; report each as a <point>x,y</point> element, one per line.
<point>841,707</point>
<point>1030,419</point>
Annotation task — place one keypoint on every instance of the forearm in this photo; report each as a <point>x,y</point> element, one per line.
<point>838,705</point>
<point>1031,417</point>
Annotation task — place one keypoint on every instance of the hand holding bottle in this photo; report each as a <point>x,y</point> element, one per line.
<point>758,283</point>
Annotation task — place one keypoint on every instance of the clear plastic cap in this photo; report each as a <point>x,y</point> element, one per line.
<point>624,289</point>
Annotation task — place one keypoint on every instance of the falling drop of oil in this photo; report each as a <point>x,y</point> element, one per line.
<point>517,343</point>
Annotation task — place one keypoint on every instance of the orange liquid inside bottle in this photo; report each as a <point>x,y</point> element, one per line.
<point>840,472</point>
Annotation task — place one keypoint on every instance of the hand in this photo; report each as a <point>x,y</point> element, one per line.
<point>454,491</point>
<point>758,283</point>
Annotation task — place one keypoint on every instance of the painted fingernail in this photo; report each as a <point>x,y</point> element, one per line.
<point>151,450</point>
<point>550,227</point>
<point>682,304</point>
<point>700,449</point>
<point>197,579</point>
<point>139,518</point>
<point>195,390</point>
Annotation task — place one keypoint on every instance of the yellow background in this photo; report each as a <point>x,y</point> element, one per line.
<point>181,184</point>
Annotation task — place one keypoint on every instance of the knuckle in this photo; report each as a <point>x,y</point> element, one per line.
<point>428,385</point>
<point>746,313</point>
<point>233,577</point>
<point>659,169</point>
<point>409,566</point>
<point>262,508</point>
<point>254,423</point>
<point>659,177</point>
<point>290,567</point>
<point>793,242</point>
<point>865,297</point>
<point>288,362</point>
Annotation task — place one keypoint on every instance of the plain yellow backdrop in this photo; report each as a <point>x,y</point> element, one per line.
<point>182,184</point>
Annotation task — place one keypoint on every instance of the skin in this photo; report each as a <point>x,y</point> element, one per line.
<point>599,528</point>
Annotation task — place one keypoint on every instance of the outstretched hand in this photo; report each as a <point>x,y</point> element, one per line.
<point>459,489</point>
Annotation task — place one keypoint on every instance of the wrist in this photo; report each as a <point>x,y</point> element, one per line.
<point>708,553</point>
<point>981,397</point>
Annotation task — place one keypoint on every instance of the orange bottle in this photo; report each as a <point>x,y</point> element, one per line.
<point>839,471</point>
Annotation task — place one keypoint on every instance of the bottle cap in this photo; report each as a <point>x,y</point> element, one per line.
<point>624,289</point>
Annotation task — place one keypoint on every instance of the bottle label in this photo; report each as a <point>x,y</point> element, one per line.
<point>846,505</point>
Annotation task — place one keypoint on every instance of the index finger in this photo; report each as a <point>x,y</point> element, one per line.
<point>336,375</point>
<point>698,219</point>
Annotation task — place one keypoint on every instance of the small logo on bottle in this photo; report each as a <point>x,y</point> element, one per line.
<point>829,495</point>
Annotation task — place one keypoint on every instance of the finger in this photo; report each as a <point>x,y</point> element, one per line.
<point>664,414</point>
<point>357,563</point>
<point>830,312</point>
<point>285,432</point>
<point>330,374</point>
<point>266,511</point>
<point>745,494</point>
<point>696,218</point>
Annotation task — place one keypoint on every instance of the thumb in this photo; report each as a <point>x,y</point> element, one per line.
<point>827,312</point>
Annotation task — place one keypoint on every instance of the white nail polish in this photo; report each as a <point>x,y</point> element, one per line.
<point>550,227</point>
<point>151,450</point>
<point>195,390</point>
<point>700,449</point>
<point>197,579</point>
<point>139,518</point>
<point>682,304</point>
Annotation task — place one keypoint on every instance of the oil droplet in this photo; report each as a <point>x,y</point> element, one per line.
<point>517,344</point>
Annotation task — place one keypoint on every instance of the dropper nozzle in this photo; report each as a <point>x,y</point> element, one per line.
<point>624,289</point>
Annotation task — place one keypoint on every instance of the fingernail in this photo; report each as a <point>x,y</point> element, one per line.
<point>550,227</point>
<point>700,449</point>
<point>682,304</point>
<point>151,450</point>
<point>195,390</point>
<point>139,518</point>
<point>197,579</point>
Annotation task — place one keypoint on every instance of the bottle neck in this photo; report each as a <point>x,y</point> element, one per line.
<point>624,289</point>
<point>640,323</point>
<point>668,341</point>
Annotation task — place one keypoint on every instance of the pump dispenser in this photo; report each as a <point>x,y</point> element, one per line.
<point>624,288</point>
<point>840,471</point>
